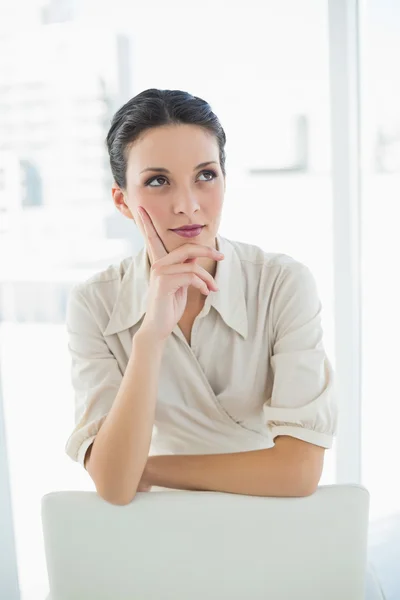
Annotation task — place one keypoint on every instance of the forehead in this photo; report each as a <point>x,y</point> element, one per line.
<point>163,146</point>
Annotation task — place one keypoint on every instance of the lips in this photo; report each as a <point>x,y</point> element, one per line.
<point>189,231</point>
<point>188,228</point>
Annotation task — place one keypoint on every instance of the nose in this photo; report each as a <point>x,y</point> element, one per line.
<point>186,203</point>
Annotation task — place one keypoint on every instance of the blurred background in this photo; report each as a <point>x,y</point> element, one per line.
<point>65,67</point>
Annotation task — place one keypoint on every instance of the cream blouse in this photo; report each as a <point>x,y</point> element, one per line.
<point>256,367</point>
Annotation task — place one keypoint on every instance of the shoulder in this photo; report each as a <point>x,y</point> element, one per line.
<point>114,272</point>
<point>276,265</point>
<point>102,287</point>
<point>284,287</point>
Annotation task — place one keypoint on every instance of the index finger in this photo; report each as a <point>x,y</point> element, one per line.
<point>155,243</point>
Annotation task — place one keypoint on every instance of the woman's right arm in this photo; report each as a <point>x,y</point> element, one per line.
<point>119,453</point>
<point>121,447</point>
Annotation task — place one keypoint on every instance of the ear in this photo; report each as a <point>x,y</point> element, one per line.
<point>119,201</point>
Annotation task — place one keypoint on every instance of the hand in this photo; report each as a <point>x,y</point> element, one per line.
<point>171,275</point>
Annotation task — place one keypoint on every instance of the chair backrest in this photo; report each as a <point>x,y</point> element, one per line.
<point>204,545</point>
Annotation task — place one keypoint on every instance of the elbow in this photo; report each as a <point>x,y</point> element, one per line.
<point>120,502</point>
<point>302,464</point>
<point>109,491</point>
<point>307,489</point>
<point>301,487</point>
<point>308,477</point>
<point>115,499</point>
<point>302,476</point>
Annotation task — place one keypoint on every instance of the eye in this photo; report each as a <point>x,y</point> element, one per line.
<point>157,178</point>
<point>213,173</point>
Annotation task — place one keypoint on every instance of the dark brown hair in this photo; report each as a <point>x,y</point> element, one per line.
<point>155,108</point>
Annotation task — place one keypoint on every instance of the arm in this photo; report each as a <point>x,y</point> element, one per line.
<point>118,455</point>
<point>291,468</point>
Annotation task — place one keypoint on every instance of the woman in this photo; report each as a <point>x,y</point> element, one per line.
<point>193,369</point>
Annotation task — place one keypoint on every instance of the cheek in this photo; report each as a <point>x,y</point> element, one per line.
<point>214,205</point>
<point>158,211</point>
<point>155,208</point>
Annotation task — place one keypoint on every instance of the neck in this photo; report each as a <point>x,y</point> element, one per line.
<point>195,300</point>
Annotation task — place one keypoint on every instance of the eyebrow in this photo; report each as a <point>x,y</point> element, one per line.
<point>163,170</point>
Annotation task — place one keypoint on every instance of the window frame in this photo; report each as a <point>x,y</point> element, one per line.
<point>344,28</point>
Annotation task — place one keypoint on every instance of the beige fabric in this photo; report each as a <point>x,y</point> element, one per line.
<point>256,367</point>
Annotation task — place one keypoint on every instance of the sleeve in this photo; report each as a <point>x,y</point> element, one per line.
<point>96,376</point>
<point>302,402</point>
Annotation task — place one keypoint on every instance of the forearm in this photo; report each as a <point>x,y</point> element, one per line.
<point>121,447</point>
<point>269,472</point>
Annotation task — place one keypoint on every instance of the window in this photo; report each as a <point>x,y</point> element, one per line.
<point>263,66</point>
<point>380,95</point>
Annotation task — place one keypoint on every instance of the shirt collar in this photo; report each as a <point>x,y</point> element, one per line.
<point>229,301</point>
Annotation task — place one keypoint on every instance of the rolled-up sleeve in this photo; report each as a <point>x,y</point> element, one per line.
<point>302,402</point>
<point>95,374</point>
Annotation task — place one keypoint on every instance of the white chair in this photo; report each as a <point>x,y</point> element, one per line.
<point>204,545</point>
